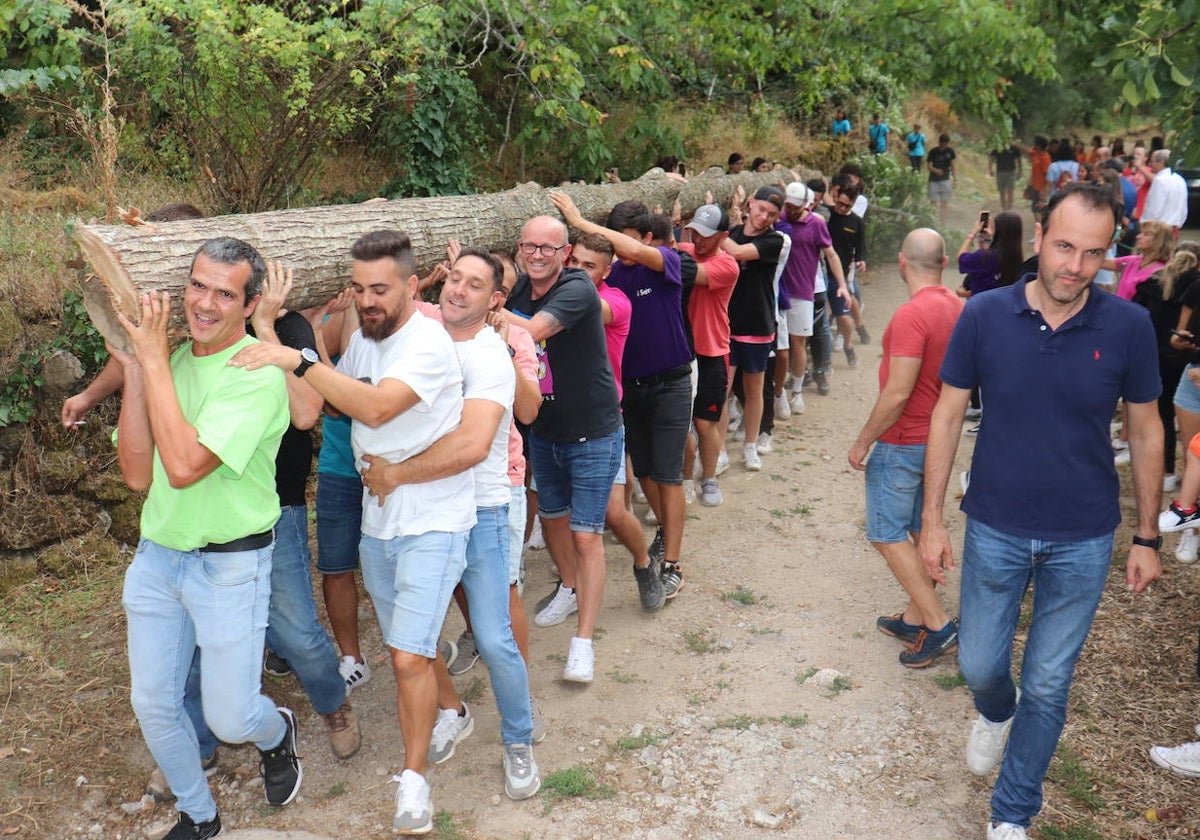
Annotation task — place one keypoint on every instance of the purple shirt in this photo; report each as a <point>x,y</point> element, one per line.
<point>809,236</point>
<point>657,339</point>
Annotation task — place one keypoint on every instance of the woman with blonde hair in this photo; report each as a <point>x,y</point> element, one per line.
<point>1152,248</point>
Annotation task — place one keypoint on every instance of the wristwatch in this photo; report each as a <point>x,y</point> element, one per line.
<point>1155,543</point>
<point>308,358</point>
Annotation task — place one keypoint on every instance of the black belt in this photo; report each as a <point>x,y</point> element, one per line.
<point>250,543</point>
<point>659,378</point>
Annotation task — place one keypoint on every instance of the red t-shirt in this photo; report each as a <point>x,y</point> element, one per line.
<point>708,306</point>
<point>920,329</point>
<point>616,331</point>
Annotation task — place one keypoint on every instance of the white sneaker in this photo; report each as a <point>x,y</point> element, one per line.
<point>964,480</point>
<point>450,728</point>
<point>838,342</point>
<point>722,461</point>
<point>1170,483</point>
<point>1119,445</point>
<point>750,457</point>
<point>414,804</point>
<point>1183,760</point>
<point>650,517</point>
<point>354,673</point>
<point>521,777</point>
<point>1006,831</point>
<point>986,745</point>
<point>539,721</point>
<point>782,409</point>
<point>689,491</point>
<point>536,541</point>
<point>735,411</point>
<point>581,661</point>
<point>561,605</point>
<point>797,403</point>
<point>710,492</point>
<point>1121,458</point>
<point>1189,542</point>
<point>764,443</point>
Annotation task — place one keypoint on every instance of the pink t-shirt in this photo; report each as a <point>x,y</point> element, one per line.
<point>522,344</point>
<point>1133,273</point>
<point>617,330</point>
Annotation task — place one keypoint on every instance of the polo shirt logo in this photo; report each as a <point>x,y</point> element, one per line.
<point>1096,355</point>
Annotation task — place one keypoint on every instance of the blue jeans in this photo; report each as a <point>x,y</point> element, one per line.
<point>293,629</point>
<point>174,601</point>
<point>1068,579</point>
<point>339,523</point>
<point>895,490</point>
<point>485,582</point>
<point>411,581</point>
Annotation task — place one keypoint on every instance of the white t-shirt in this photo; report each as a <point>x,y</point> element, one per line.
<point>488,374</point>
<point>421,355</point>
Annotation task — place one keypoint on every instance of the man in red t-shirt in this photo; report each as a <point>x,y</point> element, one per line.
<point>708,313</point>
<point>913,346</point>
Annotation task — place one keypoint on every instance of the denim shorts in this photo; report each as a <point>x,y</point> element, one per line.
<point>339,523</point>
<point>748,357</point>
<point>576,478</point>
<point>411,581</point>
<point>1187,395</point>
<point>895,482</point>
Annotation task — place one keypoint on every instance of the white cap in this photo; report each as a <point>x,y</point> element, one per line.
<point>798,194</point>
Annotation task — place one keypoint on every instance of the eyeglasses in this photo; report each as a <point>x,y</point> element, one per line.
<point>844,205</point>
<point>529,249</point>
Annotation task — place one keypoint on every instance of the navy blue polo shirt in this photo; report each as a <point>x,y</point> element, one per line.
<point>1043,465</point>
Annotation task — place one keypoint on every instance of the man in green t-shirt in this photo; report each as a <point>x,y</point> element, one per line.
<point>200,437</point>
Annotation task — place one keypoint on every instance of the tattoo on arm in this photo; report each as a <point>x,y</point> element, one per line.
<point>553,325</point>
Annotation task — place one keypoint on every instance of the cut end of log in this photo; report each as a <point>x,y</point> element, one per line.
<point>110,292</point>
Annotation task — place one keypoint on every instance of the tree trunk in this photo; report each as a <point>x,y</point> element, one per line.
<point>315,241</point>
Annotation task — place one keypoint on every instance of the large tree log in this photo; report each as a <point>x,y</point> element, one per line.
<point>315,241</point>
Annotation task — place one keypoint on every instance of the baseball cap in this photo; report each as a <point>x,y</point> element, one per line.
<point>798,194</point>
<point>709,219</point>
<point>770,193</point>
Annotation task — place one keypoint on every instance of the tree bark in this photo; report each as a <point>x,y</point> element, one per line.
<point>315,241</point>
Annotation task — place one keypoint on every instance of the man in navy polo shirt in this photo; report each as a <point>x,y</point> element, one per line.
<point>1053,357</point>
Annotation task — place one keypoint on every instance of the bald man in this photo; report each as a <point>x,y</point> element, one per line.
<point>898,427</point>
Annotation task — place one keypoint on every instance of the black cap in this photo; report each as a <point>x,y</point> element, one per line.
<point>772,194</point>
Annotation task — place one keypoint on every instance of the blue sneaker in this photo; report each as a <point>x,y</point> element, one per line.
<point>896,626</point>
<point>929,646</point>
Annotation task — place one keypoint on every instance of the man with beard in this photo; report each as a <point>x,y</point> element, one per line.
<point>400,382</point>
<point>1053,358</point>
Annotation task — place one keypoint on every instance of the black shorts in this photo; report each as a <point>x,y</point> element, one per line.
<point>712,383</point>
<point>657,418</point>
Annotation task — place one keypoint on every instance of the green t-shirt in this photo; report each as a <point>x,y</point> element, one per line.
<point>240,416</point>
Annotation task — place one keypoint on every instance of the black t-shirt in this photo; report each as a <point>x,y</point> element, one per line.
<point>687,275</point>
<point>752,305</point>
<point>579,392</point>
<point>293,463</point>
<point>1006,159</point>
<point>849,237</point>
<point>943,159</point>
<point>1191,299</point>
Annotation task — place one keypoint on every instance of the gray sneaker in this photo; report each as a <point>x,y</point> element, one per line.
<point>414,805</point>
<point>658,549</point>
<point>449,729</point>
<point>521,777</point>
<point>468,655</point>
<point>539,721</point>
<point>650,585</point>
<point>710,492</point>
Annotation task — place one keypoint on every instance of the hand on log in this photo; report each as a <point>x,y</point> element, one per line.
<point>148,338</point>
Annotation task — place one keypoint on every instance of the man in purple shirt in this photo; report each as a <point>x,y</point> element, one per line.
<point>810,239</point>
<point>655,369</point>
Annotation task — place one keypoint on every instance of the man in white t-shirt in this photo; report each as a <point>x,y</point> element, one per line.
<point>400,382</point>
<point>479,445</point>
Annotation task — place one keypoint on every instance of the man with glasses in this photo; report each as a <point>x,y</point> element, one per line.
<point>577,442</point>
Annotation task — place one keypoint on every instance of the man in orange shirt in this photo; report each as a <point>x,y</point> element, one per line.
<point>1039,165</point>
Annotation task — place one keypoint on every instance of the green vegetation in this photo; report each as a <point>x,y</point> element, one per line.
<point>1076,779</point>
<point>630,743</point>
<point>946,682</point>
<point>743,596</point>
<point>573,782</point>
<point>699,641</point>
<point>1087,831</point>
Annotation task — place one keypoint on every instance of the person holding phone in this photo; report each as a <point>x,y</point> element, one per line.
<point>991,255</point>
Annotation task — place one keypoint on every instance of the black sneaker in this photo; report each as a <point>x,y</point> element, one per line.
<point>545,602</point>
<point>822,381</point>
<point>650,585</point>
<point>281,770</point>
<point>658,549</point>
<point>275,665</point>
<point>185,829</point>
<point>672,580</point>
<point>896,626</point>
<point>929,646</point>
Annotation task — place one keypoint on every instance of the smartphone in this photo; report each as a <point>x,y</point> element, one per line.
<point>983,220</point>
<point>1186,336</point>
